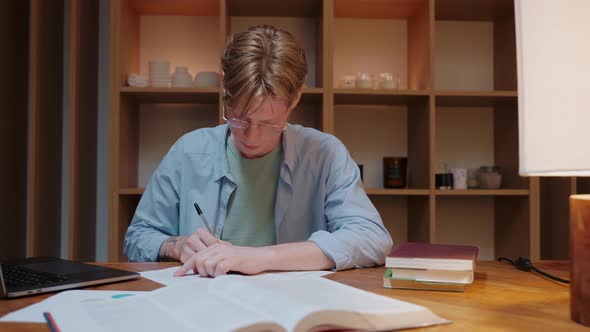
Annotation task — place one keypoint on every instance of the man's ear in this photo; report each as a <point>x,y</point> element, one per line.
<point>297,98</point>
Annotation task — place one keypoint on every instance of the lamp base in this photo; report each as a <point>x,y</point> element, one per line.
<point>580,258</point>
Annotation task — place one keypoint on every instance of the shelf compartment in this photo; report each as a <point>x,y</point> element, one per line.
<point>372,132</point>
<point>473,98</point>
<point>475,45</point>
<point>158,30</point>
<point>483,192</point>
<point>470,137</point>
<point>400,40</point>
<point>407,218</point>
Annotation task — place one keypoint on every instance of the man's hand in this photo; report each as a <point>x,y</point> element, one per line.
<point>184,247</point>
<point>220,258</point>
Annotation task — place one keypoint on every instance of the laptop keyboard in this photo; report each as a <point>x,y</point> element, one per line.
<point>20,277</point>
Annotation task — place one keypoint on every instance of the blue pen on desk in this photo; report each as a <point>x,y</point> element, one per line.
<point>200,212</point>
<point>51,322</point>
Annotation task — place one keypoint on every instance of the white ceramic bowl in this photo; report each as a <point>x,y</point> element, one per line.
<point>206,79</point>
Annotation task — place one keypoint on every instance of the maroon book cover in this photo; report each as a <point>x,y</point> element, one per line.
<point>435,251</point>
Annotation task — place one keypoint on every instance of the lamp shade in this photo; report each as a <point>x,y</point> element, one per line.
<point>553,68</point>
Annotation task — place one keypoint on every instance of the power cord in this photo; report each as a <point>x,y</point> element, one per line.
<point>525,264</point>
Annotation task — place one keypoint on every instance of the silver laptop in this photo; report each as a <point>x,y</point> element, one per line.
<point>37,275</point>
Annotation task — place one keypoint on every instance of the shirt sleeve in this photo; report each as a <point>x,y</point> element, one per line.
<point>157,215</point>
<point>356,236</point>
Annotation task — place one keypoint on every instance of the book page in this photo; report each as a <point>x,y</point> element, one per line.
<point>73,298</point>
<point>205,311</point>
<point>289,301</point>
<point>179,308</point>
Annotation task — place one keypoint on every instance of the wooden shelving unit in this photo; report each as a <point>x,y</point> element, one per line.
<point>407,37</point>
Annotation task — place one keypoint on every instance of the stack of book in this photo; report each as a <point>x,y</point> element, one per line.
<point>443,267</point>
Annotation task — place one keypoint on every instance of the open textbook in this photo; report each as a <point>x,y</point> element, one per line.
<point>239,303</point>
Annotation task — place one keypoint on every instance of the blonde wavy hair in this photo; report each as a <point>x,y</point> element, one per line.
<point>260,63</point>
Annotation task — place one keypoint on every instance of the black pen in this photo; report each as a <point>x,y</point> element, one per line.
<point>200,212</point>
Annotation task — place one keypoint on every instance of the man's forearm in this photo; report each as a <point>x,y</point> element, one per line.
<point>168,249</point>
<point>297,256</point>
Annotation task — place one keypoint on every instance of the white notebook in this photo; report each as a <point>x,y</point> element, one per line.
<point>241,303</point>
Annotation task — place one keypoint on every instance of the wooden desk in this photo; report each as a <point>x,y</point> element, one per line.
<point>501,298</point>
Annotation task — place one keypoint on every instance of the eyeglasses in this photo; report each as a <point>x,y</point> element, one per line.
<point>241,124</point>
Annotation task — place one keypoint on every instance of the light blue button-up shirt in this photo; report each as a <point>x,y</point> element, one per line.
<point>320,198</point>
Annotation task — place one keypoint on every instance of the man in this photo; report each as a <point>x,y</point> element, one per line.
<point>274,196</point>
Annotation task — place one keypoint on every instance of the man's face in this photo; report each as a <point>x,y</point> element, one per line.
<point>257,134</point>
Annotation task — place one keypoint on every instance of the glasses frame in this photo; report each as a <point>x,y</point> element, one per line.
<point>241,124</point>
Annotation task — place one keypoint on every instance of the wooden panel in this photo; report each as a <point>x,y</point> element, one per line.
<point>14,34</point>
<point>377,96</point>
<point>224,30</point>
<point>285,8</point>
<point>474,98</point>
<point>128,143</point>
<point>176,7</point>
<point>131,191</point>
<point>396,192</point>
<point>171,95</point>
<point>127,25</point>
<point>483,192</point>
<point>506,144</point>
<point>535,219</point>
<point>382,9</point>
<point>505,54</point>
<point>469,10</point>
<point>115,77</point>
<point>583,185</point>
<point>419,156</point>
<point>45,127</point>
<point>127,206</point>
<point>419,217</point>
<point>419,48</point>
<point>555,194</point>
<point>325,79</point>
<point>82,115</point>
<point>512,227</point>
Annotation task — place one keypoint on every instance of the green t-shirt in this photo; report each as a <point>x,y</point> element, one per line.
<point>250,215</point>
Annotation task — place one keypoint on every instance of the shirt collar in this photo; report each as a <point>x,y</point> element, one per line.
<point>221,166</point>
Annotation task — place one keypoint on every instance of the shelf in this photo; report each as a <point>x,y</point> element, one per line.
<point>469,10</point>
<point>377,96</point>
<point>131,191</point>
<point>285,8</point>
<point>483,192</point>
<point>474,98</point>
<point>176,7</point>
<point>172,95</point>
<point>370,191</point>
<point>197,95</point>
<point>396,192</point>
